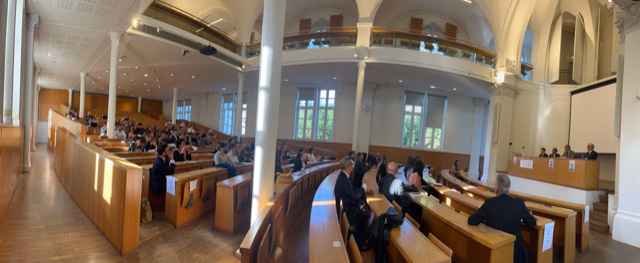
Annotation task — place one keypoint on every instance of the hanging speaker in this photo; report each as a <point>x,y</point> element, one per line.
<point>208,51</point>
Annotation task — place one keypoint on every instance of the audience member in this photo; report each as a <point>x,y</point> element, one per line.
<point>311,155</point>
<point>103,129</point>
<point>382,168</point>
<point>347,194</point>
<point>182,152</point>
<point>360,170</point>
<point>505,213</point>
<point>232,156</point>
<point>163,165</point>
<point>220,159</point>
<point>456,170</point>
<point>391,187</point>
<point>415,179</point>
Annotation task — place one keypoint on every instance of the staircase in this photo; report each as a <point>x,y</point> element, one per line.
<point>598,216</point>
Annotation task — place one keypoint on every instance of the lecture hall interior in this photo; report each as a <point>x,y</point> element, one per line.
<point>320,131</point>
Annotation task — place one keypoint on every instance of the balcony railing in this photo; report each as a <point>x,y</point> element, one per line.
<point>414,40</point>
<point>179,18</point>
<point>335,37</point>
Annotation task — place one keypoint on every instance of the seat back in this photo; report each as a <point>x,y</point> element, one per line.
<point>344,226</point>
<point>353,252</point>
<point>275,232</point>
<point>444,248</point>
<point>263,249</point>
<point>243,198</point>
<point>292,200</point>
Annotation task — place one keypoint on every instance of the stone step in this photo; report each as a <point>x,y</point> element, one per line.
<point>598,215</point>
<point>599,226</point>
<point>601,207</point>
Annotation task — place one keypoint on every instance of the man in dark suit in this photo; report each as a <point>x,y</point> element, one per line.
<point>162,166</point>
<point>505,213</point>
<point>554,153</point>
<point>543,152</point>
<point>344,190</point>
<point>590,154</point>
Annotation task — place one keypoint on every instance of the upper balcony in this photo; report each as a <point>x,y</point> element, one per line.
<point>335,37</point>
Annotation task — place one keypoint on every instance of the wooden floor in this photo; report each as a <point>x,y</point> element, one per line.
<point>43,224</point>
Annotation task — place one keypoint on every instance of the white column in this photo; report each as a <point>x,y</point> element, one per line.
<point>34,118</point>
<point>8,62</point>
<point>496,152</point>
<point>238,120</point>
<point>32,24</point>
<point>626,222</point>
<point>139,104</point>
<point>174,105</point>
<point>18,66</point>
<point>70,98</point>
<point>476,139</point>
<point>358,109</point>
<point>83,77</point>
<point>268,104</point>
<point>113,73</point>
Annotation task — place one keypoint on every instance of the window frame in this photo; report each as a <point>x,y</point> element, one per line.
<point>423,124</point>
<point>422,115</point>
<point>316,108</point>
<point>223,113</point>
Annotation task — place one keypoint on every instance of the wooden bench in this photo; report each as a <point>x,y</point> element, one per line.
<point>191,194</point>
<point>180,168</point>
<point>407,243</point>
<point>233,204</point>
<point>469,243</point>
<point>532,237</point>
<point>290,201</point>
<point>141,160</point>
<point>582,219</point>
<point>326,243</point>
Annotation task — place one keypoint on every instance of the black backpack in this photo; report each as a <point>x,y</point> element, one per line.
<point>379,232</point>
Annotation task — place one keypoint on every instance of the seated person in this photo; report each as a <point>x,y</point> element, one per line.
<point>232,156</point>
<point>543,152</point>
<point>103,129</point>
<point>554,153</point>
<point>220,159</point>
<point>415,179</point>
<point>372,159</point>
<point>301,161</point>
<point>568,153</point>
<point>182,152</point>
<point>359,170</point>
<point>278,167</point>
<point>136,145</point>
<point>311,155</point>
<point>505,213</point>
<point>162,166</point>
<point>391,187</point>
<point>119,134</point>
<point>348,194</point>
<point>245,155</point>
<point>590,154</point>
<point>456,170</point>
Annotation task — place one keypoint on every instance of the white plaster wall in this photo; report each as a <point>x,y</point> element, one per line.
<point>458,130</point>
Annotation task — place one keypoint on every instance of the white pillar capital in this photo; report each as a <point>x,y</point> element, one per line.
<point>115,36</point>
<point>33,20</point>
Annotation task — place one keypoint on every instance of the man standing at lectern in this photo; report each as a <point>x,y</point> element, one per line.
<point>590,154</point>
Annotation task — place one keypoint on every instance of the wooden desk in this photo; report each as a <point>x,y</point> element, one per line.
<point>233,204</point>
<point>532,237</point>
<point>141,160</point>
<point>585,174</point>
<point>324,228</point>
<point>581,221</point>
<point>185,205</point>
<point>180,168</point>
<point>469,243</point>
<point>407,243</point>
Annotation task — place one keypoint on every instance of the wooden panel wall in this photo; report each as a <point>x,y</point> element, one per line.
<point>11,163</point>
<point>107,188</point>
<point>50,99</point>
<point>305,26</point>
<point>98,103</point>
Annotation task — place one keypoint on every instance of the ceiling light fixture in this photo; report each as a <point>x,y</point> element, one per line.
<point>120,60</point>
<point>146,75</point>
<point>127,91</point>
<point>468,1</point>
<point>94,82</point>
<point>99,77</point>
<point>193,76</point>
<point>455,89</point>
<point>433,87</point>
<point>135,23</point>
<point>157,79</point>
<point>148,90</point>
<point>119,86</point>
<point>136,67</point>
<point>106,71</point>
<point>335,77</point>
<point>158,86</point>
<point>400,81</point>
<point>124,74</point>
<point>286,79</point>
<point>49,54</point>
<point>209,89</point>
<point>224,88</point>
<point>145,84</point>
<point>172,74</point>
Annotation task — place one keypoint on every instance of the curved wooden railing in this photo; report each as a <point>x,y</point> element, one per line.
<point>56,119</point>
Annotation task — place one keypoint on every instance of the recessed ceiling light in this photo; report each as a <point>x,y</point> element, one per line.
<point>101,88</point>
<point>335,77</point>
<point>131,80</point>
<point>127,91</point>
<point>433,87</point>
<point>286,79</point>
<point>124,74</point>
<point>158,86</point>
<point>400,81</point>
<point>455,89</point>
<point>136,67</point>
<point>145,84</point>
<point>146,75</point>
<point>224,88</point>
<point>182,94</point>
<point>99,77</point>
<point>119,60</point>
<point>209,89</point>
<point>193,76</point>
<point>94,82</point>
<point>148,90</point>
<point>106,71</point>
<point>172,74</point>
<point>49,54</point>
<point>119,87</point>
<point>157,79</point>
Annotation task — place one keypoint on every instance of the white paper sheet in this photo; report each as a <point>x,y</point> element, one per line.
<point>572,165</point>
<point>547,239</point>
<point>171,185</point>
<point>526,164</point>
<point>550,163</point>
<point>192,185</point>
<point>586,213</point>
